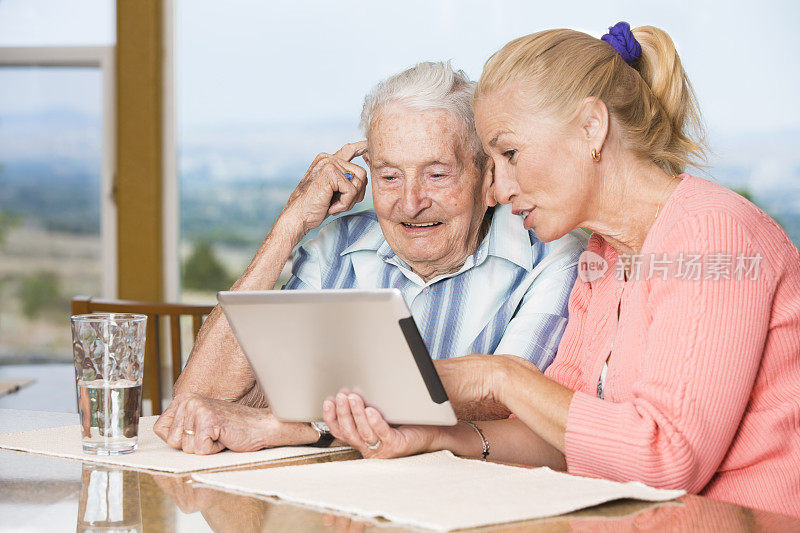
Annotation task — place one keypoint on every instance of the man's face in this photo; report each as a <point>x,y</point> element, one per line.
<point>429,195</point>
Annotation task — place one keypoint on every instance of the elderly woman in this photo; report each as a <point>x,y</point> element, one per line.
<point>680,365</point>
<point>474,278</point>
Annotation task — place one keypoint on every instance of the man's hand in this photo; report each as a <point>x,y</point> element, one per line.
<point>331,185</point>
<point>345,524</point>
<point>196,424</point>
<point>324,190</point>
<point>223,511</point>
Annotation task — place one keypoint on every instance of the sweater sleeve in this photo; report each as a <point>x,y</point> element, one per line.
<point>702,353</point>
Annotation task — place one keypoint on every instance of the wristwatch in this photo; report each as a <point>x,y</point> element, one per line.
<point>325,436</point>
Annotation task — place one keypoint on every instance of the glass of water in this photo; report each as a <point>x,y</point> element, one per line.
<point>108,353</point>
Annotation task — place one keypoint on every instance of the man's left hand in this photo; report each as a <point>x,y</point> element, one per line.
<point>200,425</point>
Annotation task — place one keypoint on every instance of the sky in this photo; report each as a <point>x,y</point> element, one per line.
<point>247,63</point>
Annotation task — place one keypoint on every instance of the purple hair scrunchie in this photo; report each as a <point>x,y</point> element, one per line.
<point>621,38</point>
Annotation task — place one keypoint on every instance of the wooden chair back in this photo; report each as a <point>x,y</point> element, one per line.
<point>153,361</point>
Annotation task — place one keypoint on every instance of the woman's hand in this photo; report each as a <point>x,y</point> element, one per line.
<point>196,424</point>
<point>359,426</point>
<point>474,379</point>
<point>331,185</point>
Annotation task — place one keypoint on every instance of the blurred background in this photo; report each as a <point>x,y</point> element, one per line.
<point>147,146</point>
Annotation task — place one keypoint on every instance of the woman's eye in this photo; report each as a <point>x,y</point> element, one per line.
<point>388,178</point>
<point>509,154</point>
<point>439,175</point>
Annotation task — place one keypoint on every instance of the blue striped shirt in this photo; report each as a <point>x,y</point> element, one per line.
<point>509,297</point>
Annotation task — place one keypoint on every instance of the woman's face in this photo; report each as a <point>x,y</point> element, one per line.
<point>539,164</point>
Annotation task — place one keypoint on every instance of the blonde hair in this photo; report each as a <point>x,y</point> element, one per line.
<point>651,99</point>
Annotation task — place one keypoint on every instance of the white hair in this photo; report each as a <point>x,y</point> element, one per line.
<point>427,85</point>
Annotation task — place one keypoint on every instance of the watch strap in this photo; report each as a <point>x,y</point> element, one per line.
<point>325,436</point>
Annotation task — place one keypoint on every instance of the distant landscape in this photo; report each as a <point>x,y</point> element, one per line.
<point>232,187</point>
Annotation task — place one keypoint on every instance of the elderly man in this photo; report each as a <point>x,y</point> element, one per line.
<point>475,280</point>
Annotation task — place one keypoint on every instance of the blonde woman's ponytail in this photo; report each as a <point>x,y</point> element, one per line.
<point>662,71</point>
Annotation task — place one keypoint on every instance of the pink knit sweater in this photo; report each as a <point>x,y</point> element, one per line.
<point>703,385</point>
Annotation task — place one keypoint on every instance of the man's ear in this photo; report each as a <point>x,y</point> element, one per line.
<point>594,123</point>
<point>488,183</point>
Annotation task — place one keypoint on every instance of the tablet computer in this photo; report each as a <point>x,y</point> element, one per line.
<point>305,346</point>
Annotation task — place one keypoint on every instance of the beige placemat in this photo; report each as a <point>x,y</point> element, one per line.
<point>151,452</point>
<point>433,491</point>
<point>7,386</point>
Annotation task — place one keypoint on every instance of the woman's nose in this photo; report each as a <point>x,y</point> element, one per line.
<point>505,187</point>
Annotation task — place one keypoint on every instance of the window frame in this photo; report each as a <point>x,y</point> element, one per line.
<point>101,57</point>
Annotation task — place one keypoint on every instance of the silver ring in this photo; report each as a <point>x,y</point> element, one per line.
<point>374,446</point>
<point>189,431</point>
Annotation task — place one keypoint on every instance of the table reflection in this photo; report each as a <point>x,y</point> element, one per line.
<point>222,511</point>
<point>109,500</point>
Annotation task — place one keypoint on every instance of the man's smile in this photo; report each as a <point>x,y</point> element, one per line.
<point>420,224</point>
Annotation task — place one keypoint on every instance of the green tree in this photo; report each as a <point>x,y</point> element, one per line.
<point>743,192</point>
<point>8,221</point>
<point>40,292</point>
<point>204,271</point>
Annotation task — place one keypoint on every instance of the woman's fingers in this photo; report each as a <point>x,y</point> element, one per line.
<point>346,423</point>
<point>329,416</point>
<point>360,418</point>
<point>382,429</point>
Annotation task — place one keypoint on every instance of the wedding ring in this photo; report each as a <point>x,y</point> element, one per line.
<point>374,446</point>
<point>189,431</point>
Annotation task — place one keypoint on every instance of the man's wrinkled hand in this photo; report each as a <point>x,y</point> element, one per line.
<point>345,524</point>
<point>200,425</point>
<point>331,185</point>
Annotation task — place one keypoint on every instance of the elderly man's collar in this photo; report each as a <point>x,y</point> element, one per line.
<point>507,239</point>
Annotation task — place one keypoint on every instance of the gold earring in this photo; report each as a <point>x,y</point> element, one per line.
<point>595,155</point>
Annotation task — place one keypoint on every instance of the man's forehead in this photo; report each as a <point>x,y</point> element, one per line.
<point>419,138</point>
<point>389,158</point>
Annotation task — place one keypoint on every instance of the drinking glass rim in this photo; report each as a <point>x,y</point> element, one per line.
<point>107,317</point>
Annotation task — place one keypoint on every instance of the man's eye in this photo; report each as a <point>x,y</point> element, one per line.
<point>439,175</point>
<point>509,154</point>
